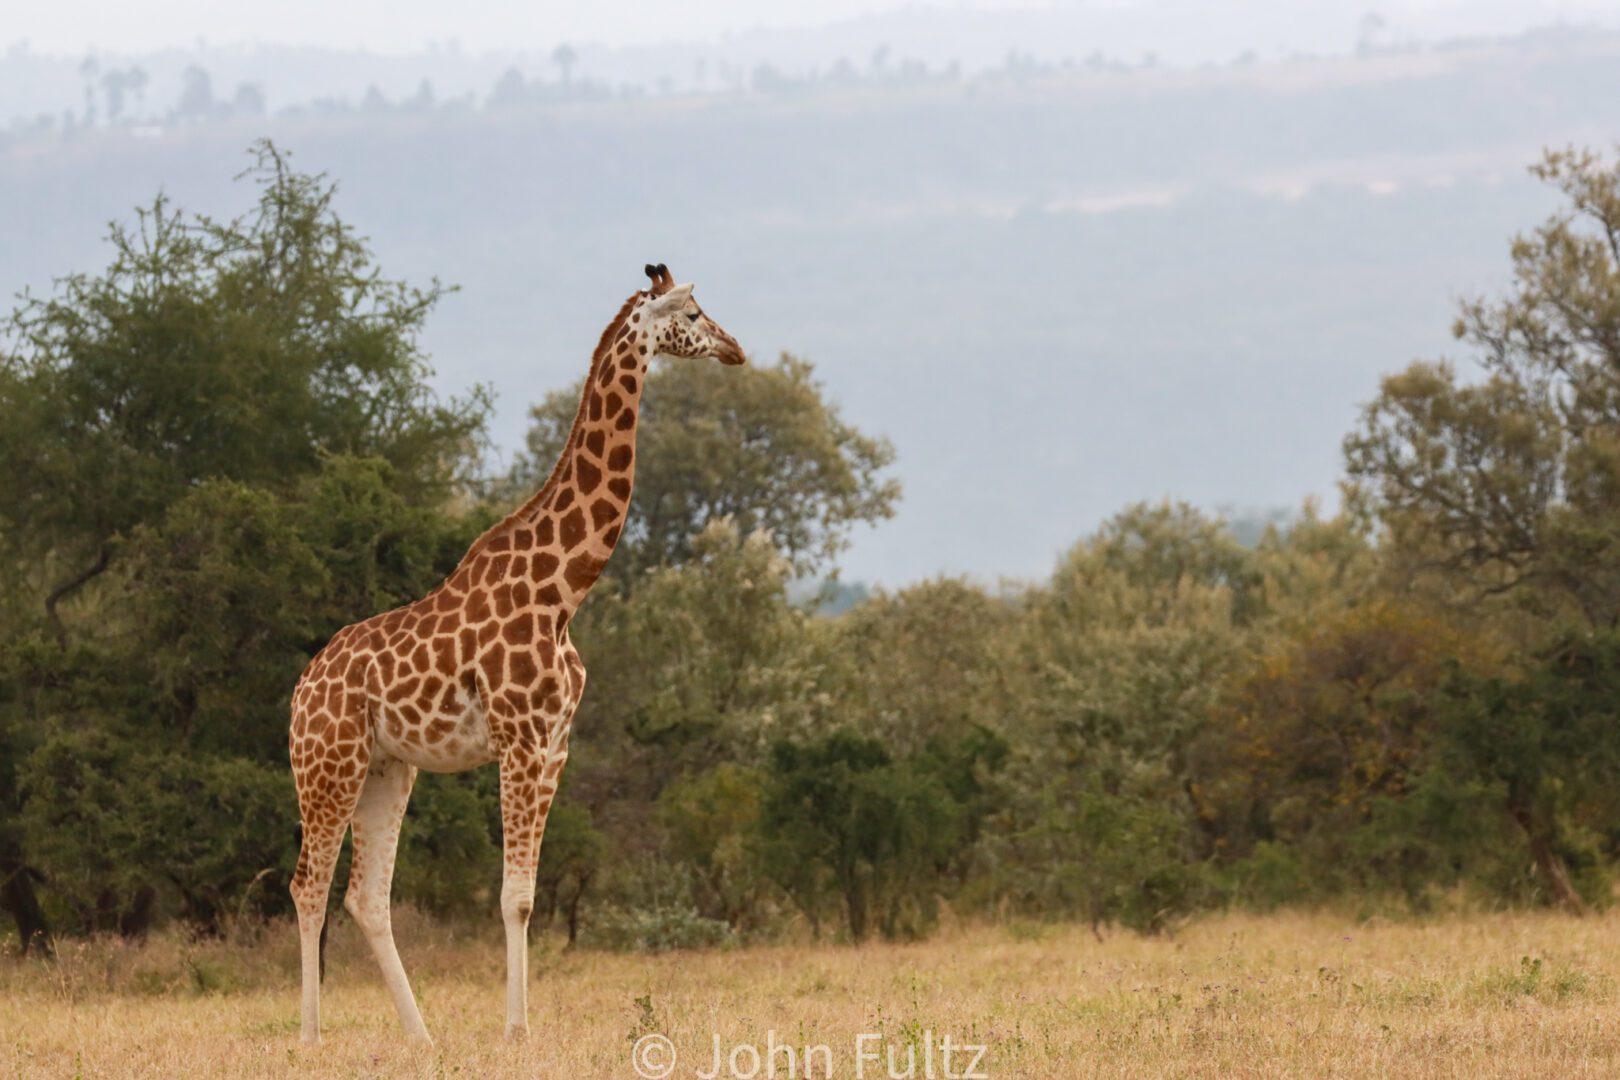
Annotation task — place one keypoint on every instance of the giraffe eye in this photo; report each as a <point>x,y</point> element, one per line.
<point>694,316</point>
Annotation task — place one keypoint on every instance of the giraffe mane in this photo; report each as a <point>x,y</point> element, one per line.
<point>603,349</point>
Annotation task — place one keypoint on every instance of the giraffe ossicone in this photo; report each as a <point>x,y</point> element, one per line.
<point>479,670</point>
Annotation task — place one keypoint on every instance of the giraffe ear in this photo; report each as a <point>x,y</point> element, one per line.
<point>674,296</point>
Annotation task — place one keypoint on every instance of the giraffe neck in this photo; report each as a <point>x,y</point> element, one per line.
<point>558,542</point>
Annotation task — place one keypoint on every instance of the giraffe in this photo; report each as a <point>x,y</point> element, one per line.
<point>481,669</point>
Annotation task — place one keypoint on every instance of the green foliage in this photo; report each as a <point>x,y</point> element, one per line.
<point>759,445</point>
<point>1547,747</point>
<point>1513,482</point>
<point>710,819</point>
<point>1502,496</point>
<point>1130,865</point>
<point>449,859</point>
<point>218,451</point>
<point>933,661</point>
<point>108,816</point>
<point>224,450</point>
<point>844,825</point>
<point>240,349</point>
<point>657,929</point>
<point>702,663</point>
<point>1140,624</point>
<point>574,853</point>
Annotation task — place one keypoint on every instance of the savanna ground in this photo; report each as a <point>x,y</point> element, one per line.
<point>1312,995</point>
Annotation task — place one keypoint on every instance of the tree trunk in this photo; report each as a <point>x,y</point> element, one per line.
<point>1550,864</point>
<point>573,908</point>
<point>136,919</point>
<point>18,899</point>
<point>855,903</point>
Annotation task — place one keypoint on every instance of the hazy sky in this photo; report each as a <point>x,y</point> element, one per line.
<point>72,26</point>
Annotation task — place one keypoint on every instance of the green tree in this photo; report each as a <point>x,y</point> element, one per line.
<point>574,854</point>
<point>842,819</point>
<point>1545,746</point>
<point>1126,651</point>
<point>218,450</point>
<point>704,661</point>
<point>710,819</point>
<point>449,850</point>
<point>935,662</point>
<point>115,824</point>
<point>1131,640</point>
<point>1501,495</point>
<point>242,349</point>
<point>1511,484</point>
<point>1325,747</point>
<point>760,445</point>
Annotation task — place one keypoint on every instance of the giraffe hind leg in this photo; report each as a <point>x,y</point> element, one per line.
<point>298,840</point>
<point>326,802</point>
<point>376,840</point>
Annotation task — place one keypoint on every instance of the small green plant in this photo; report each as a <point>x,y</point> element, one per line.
<point>646,1017</point>
<point>657,930</point>
<point>1551,983</point>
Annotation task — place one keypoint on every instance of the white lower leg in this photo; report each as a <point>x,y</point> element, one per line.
<point>309,935</point>
<point>376,838</point>
<point>517,901</point>
<point>379,931</point>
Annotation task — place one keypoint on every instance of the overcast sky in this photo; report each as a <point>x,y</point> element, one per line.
<point>73,26</point>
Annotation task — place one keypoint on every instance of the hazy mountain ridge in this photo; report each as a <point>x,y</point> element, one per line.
<point>1009,274</point>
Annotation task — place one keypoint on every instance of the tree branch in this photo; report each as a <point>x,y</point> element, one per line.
<point>70,586</point>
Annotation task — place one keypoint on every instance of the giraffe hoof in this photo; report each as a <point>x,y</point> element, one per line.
<point>517,1032</point>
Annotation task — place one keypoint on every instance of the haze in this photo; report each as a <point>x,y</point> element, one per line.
<point>1175,30</point>
<point>1065,256</point>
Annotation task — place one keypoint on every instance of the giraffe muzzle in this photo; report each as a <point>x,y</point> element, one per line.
<point>730,353</point>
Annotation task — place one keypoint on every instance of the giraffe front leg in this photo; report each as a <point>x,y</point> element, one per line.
<point>530,769</point>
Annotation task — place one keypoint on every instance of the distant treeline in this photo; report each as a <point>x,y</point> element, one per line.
<point>220,448</point>
<point>115,95</point>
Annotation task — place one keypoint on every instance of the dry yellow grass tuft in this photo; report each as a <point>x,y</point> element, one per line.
<point>1232,996</point>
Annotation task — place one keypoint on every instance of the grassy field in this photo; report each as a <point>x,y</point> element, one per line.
<point>1230,996</point>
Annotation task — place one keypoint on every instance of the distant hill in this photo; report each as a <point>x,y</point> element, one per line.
<point>1057,290</point>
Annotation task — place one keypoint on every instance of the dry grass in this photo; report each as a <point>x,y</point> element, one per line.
<point>1231,996</point>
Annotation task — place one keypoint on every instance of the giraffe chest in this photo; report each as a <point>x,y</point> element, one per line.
<point>455,708</point>
<point>446,733</point>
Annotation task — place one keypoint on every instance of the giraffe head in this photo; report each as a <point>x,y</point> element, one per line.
<point>678,327</point>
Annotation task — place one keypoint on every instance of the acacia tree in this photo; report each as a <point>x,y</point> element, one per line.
<point>1509,487</point>
<point>1512,483</point>
<point>217,450</point>
<point>245,349</point>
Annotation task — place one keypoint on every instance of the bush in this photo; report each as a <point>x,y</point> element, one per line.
<point>656,930</point>
<point>119,825</point>
<point>844,826</point>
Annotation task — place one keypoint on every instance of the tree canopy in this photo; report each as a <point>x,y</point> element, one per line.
<point>219,449</point>
<point>761,445</point>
